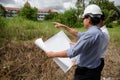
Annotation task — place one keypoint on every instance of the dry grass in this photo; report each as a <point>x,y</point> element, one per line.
<point>25,61</point>
<point>112,62</point>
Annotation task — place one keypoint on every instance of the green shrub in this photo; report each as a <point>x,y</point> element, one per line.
<point>68,18</point>
<point>51,16</point>
<point>109,25</point>
<point>28,12</point>
<point>79,24</point>
<point>2,22</point>
<point>118,22</point>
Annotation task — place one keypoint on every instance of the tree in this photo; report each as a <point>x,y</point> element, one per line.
<point>68,18</point>
<point>2,11</point>
<point>51,16</point>
<point>104,4</point>
<point>80,5</point>
<point>28,12</point>
<point>117,12</point>
<point>110,10</point>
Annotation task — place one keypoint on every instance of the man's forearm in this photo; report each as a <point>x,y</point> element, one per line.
<point>71,31</point>
<point>57,54</point>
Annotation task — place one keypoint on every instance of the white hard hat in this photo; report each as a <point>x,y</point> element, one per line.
<point>93,9</point>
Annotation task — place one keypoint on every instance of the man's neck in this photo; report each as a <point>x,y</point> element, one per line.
<point>90,26</point>
<point>101,24</point>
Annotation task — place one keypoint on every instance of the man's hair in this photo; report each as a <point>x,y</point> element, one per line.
<point>95,18</point>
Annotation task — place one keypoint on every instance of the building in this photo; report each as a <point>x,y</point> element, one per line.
<point>11,12</point>
<point>43,13</point>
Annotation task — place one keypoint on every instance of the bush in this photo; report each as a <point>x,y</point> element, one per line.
<point>78,24</point>
<point>109,25</point>
<point>2,11</point>
<point>118,22</point>
<point>3,25</point>
<point>29,13</point>
<point>69,18</point>
<point>51,16</point>
<point>2,22</point>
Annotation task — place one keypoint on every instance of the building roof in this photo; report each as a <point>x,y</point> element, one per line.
<point>53,11</point>
<point>11,8</point>
<point>39,10</point>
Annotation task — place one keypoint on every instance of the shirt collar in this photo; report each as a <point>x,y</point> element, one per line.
<point>103,27</point>
<point>93,27</point>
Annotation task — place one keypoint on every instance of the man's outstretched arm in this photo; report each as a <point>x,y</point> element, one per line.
<point>70,30</point>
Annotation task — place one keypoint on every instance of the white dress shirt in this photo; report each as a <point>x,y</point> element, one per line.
<point>107,36</point>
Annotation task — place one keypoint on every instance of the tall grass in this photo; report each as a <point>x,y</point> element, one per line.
<point>18,28</point>
<point>115,35</point>
<point>21,29</point>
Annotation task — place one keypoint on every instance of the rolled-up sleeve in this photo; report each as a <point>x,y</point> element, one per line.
<point>83,44</point>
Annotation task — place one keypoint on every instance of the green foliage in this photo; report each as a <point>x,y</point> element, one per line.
<point>51,16</point>
<point>119,21</point>
<point>109,25</point>
<point>21,29</point>
<point>68,18</point>
<point>104,4</point>
<point>2,22</point>
<point>28,12</point>
<point>80,5</point>
<point>79,24</point>
<point>109,18</point>
<point>112,13</point>
<point>115,34</point>
<point>2,10</point>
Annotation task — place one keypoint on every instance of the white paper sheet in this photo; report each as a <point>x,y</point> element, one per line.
<point>58,42</point>
<point>39,42</point>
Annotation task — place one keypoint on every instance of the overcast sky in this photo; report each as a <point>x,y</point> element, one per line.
<point>46,4</point>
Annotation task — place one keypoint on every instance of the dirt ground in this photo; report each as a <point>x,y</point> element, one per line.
<point>25,61</point>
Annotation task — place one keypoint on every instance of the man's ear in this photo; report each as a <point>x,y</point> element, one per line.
<point>89,19</point>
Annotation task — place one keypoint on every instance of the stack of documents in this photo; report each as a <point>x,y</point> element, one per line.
<point>58,42</point>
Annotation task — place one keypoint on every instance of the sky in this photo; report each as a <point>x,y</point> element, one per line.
<point>59,5</point>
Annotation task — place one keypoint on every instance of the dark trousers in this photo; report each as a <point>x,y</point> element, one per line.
<point>83,73</point>
<point>102,64</point>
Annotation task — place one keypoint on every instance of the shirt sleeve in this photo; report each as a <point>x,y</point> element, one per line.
<point>82,45</point>
<point>80,34</point>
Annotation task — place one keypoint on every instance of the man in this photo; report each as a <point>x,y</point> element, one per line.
<point>78,34</point>
<point>107,36</point>
<point>89,46</point>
